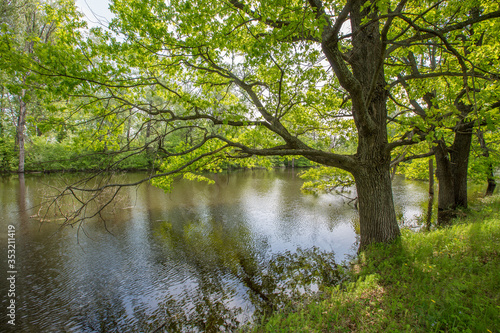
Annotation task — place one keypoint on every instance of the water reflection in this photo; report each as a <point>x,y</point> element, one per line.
<point>210,295</point>
<point>196,259</point>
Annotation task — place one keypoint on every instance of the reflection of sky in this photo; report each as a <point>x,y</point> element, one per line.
<point>409,199</point>
<point>290,220</point>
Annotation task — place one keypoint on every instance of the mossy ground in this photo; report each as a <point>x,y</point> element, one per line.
<point>445,280</point>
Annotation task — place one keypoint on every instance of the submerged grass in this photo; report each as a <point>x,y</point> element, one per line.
<point>445,280</point>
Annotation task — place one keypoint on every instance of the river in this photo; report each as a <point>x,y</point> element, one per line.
<point>168,261</point>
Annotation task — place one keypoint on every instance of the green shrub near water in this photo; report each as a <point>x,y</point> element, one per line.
<point>48,157</point>
<point>446,280</point>
<point>8,156</point>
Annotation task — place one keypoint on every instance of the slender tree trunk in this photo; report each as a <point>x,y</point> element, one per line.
<point>149,132</point>
<point>394,170</point>
<point>129,125</point>
<point>446,194</point>
<point>492,184</point>
<point>490,175</point>
<point>430,203</point>
<point>21,122</point>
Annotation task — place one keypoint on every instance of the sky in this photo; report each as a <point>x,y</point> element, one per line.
<point>95,11</point>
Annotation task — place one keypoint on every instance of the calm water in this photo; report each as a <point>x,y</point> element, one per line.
<point>168,260</point>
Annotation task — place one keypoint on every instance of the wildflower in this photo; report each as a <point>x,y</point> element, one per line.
<point>433,300</point>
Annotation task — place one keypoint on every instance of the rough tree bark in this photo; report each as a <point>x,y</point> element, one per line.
<point>377,218</point>
<point>446,194</point>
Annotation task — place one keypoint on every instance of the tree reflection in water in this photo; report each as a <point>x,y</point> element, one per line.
<point>233,271</point>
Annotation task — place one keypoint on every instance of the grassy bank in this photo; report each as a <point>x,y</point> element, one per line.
<point>446,280</point>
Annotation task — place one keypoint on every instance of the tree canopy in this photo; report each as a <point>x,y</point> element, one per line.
<point>206,82</point>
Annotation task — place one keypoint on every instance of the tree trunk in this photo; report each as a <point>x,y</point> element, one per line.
<point>452,168</point>
<point>430,203</point>
<point>364,79</point>
<point>21,122</point>
<point>492,184</point>
<point>490,175</point>
<point>446,195</point>
<point>377,217</point>
<point>129,125</point>
<point>460,162</point>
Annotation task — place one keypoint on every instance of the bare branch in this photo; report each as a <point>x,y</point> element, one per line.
<point>449,28</point>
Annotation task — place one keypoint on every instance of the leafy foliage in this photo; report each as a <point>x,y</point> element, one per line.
<point>326,180</point>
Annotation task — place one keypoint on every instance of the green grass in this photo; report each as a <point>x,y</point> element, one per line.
<point>446,280</point>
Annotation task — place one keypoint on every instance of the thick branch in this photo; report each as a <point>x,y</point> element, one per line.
<point>345,162</point>
<point>412,157</point>
<point>329,44</point>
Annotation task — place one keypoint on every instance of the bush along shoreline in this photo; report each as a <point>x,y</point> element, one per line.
<point>444,280</point>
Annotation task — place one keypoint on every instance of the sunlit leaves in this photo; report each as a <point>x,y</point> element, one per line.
<point>189,162</point>
<point>326,180</point>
